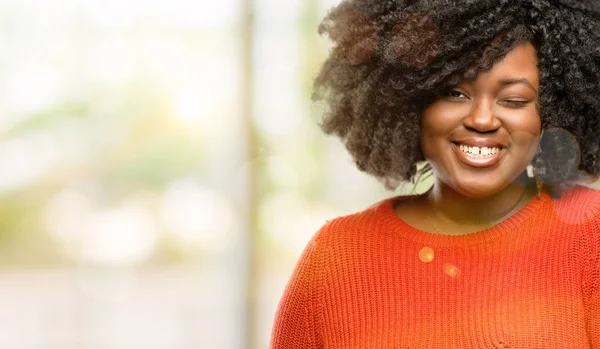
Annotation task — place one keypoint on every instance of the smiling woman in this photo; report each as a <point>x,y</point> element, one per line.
<point>478,139</point>
<point>503,251</point>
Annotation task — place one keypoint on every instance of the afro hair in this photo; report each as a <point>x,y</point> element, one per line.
<point>392,58</point>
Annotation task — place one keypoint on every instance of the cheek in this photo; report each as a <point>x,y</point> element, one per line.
<point>525,131</point>
<point>526,143</point>
<point>529,120</point>
<point>437,123</point>
<point>439,118</point>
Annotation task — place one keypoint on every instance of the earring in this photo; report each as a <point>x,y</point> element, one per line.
<point>530,171</point>
<point>539,186</point>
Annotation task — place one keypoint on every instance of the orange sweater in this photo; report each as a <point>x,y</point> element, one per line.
<point>371,281</point>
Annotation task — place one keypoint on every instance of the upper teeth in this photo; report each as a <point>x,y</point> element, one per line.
<point>479,151</point>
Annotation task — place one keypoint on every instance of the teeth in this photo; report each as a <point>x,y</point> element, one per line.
<point>477,152</point>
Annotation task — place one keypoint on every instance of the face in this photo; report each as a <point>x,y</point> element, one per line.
<point>481,135</point>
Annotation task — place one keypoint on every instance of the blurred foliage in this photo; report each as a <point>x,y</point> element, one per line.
<point>45,119</point>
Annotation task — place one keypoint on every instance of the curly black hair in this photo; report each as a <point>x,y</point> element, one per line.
<point>392,58</point>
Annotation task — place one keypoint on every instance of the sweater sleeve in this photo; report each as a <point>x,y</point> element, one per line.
<point>591,285</point>
<point>297,320</point>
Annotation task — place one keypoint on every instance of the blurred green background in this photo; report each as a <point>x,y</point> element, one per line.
<point>161,169</point>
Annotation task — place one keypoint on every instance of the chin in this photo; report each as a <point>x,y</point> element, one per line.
<point>479,191</point>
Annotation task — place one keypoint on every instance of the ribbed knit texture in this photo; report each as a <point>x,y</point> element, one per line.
<point>370,281</point>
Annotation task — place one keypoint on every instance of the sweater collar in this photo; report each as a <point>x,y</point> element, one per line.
<point>522,220</point>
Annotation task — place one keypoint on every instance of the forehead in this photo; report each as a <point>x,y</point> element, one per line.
<point>520,62</point>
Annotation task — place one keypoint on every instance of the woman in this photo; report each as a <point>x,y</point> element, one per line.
<point>500,100</point>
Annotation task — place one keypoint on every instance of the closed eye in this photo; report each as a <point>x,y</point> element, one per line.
<point>514,103</point>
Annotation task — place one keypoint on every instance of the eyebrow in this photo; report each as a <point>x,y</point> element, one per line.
<point>525,82</point>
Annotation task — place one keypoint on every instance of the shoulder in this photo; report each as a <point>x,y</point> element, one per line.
<point>358,225</point>
<point>584,203</point>
<point>579,193</point>
<point>577,205</point>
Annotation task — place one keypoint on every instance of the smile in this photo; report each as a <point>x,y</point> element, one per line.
<point>478,156</point>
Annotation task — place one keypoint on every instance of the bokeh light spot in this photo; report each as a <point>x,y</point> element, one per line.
<point>451,270</point>
<point>426,254</point>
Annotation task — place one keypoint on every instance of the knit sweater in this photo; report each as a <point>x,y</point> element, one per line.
<point>371,281</point>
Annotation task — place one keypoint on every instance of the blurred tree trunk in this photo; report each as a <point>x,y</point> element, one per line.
<point>250,262</point>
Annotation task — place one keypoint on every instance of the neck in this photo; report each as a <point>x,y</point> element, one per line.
<point>452,207</point>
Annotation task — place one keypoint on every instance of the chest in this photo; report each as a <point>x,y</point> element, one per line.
<point>416,296</point>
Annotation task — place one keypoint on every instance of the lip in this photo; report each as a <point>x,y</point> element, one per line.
<point>480,163</point>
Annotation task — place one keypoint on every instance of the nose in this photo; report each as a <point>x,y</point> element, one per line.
<point>481,117</point>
